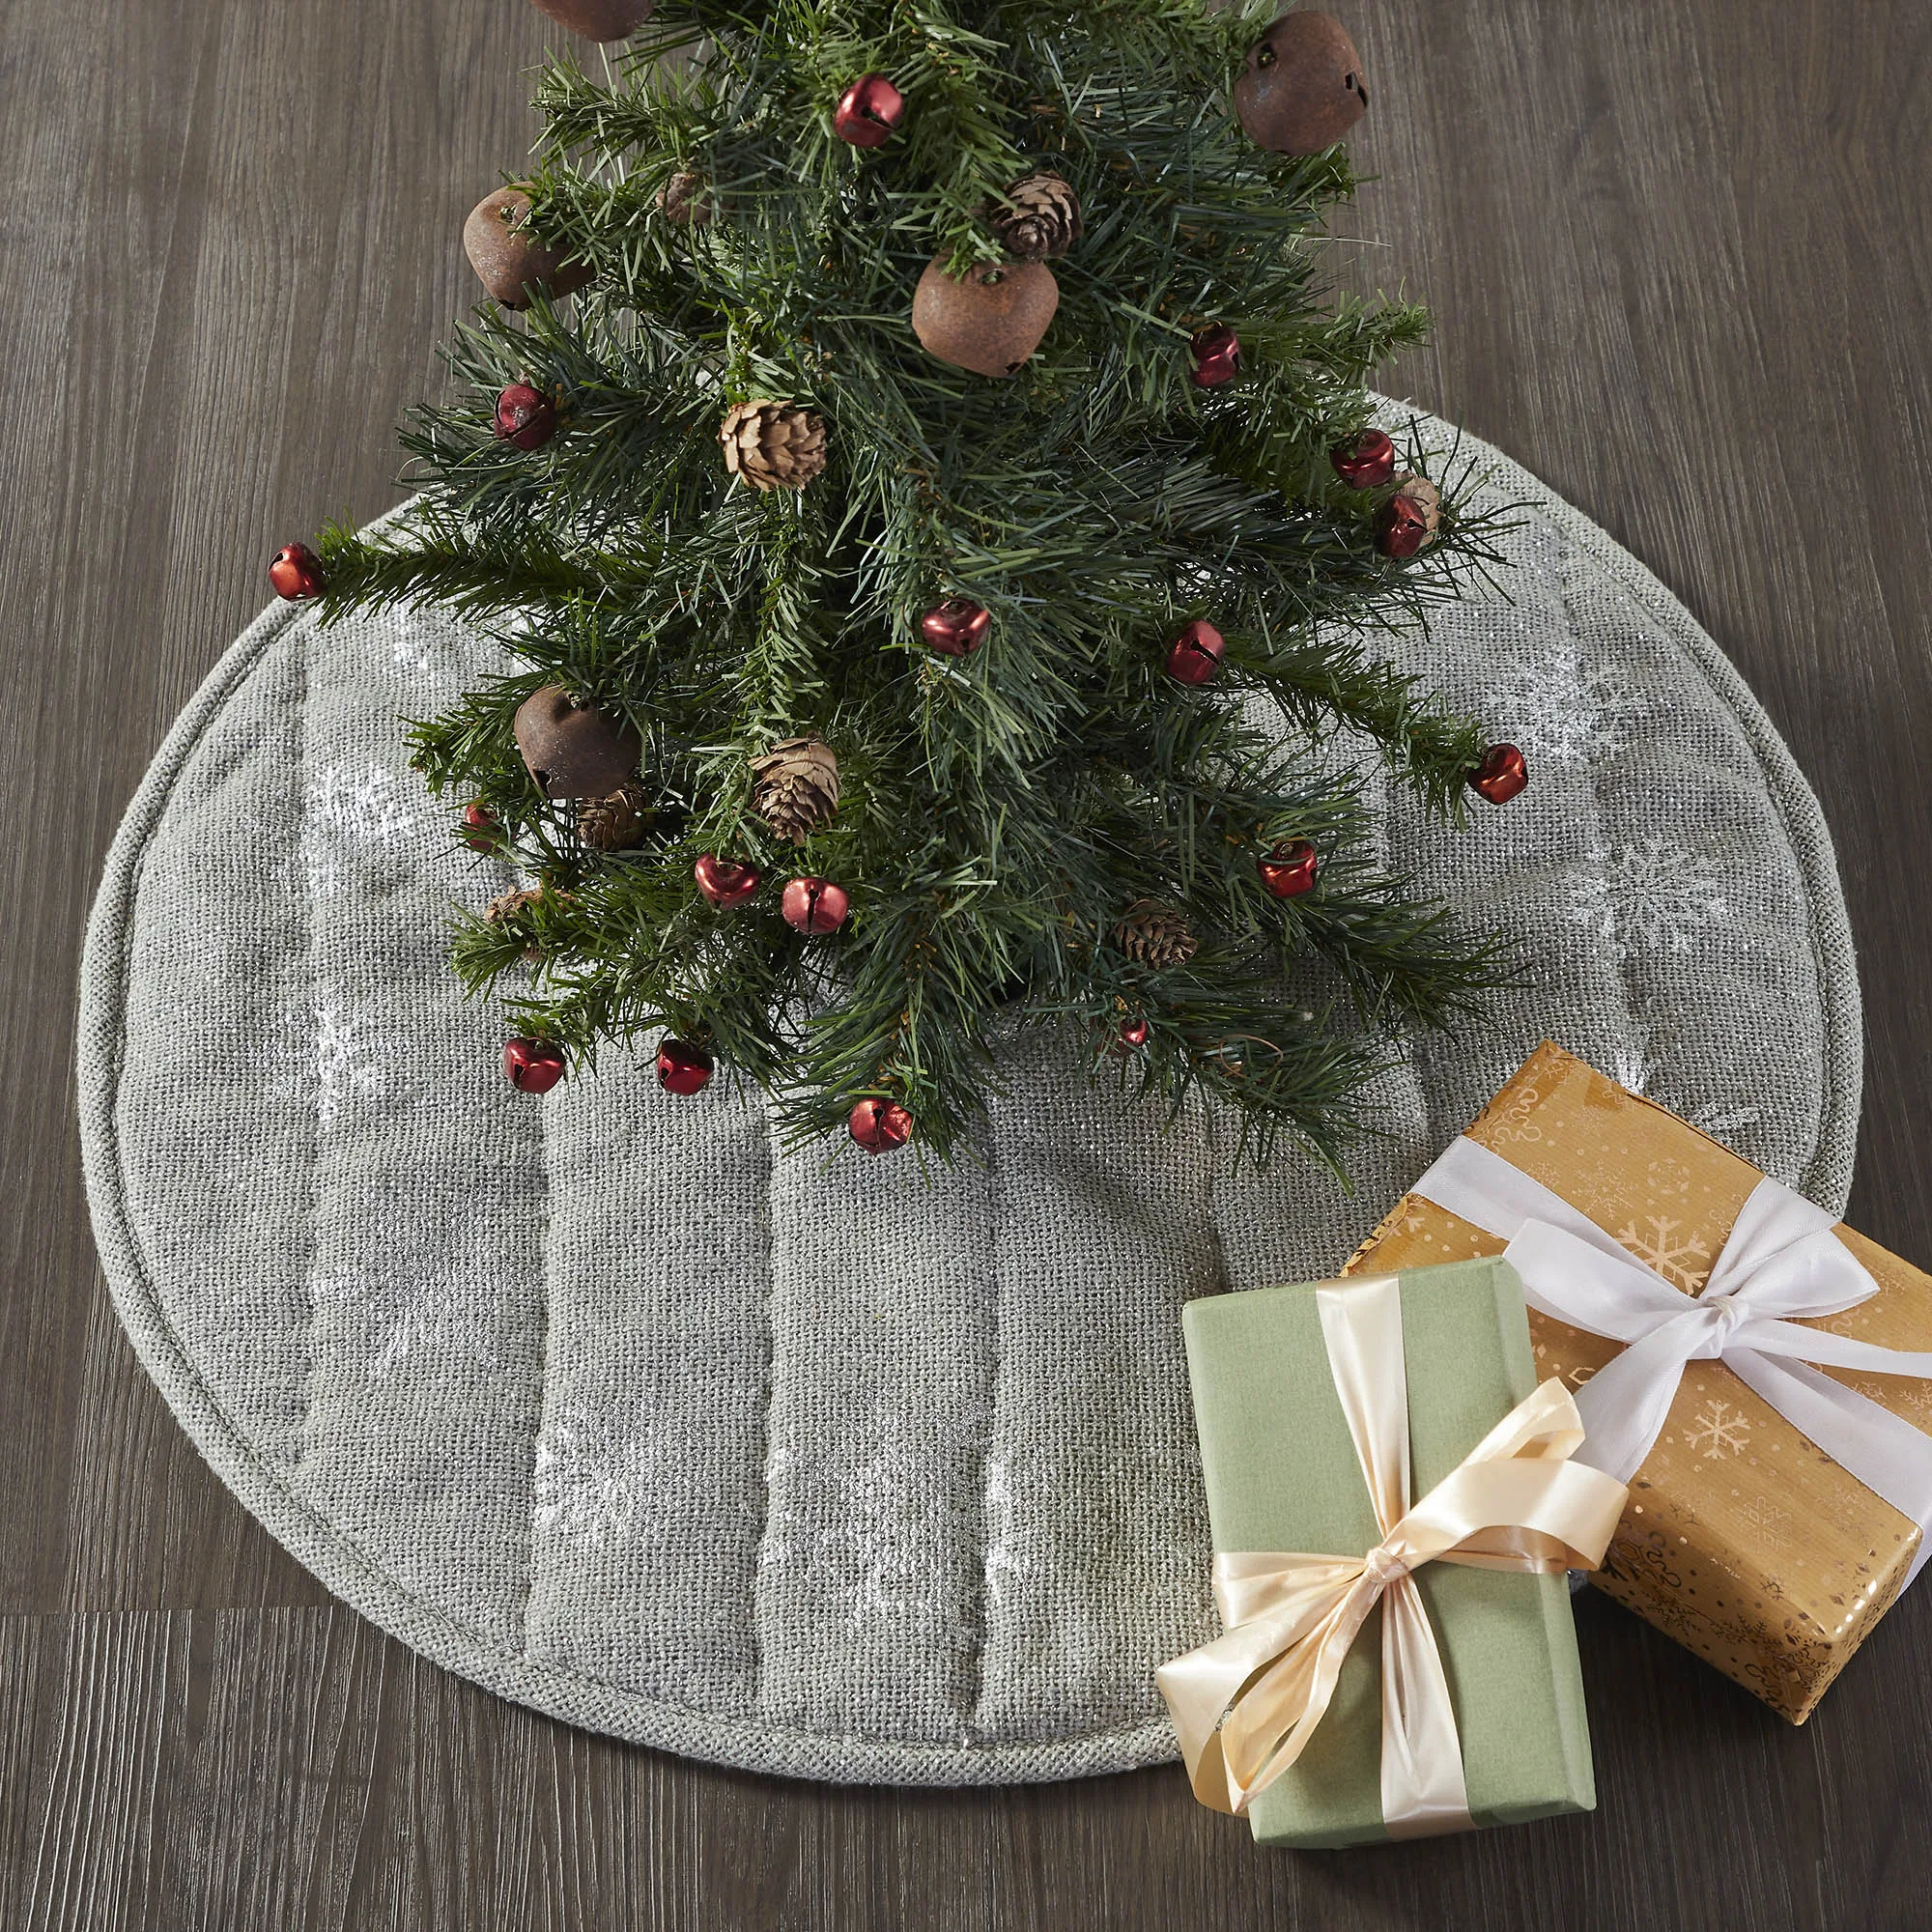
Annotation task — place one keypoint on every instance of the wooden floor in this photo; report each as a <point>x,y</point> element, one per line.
<point>1680,260</point>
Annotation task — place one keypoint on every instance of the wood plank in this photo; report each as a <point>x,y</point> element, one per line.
<point>92,1785</point>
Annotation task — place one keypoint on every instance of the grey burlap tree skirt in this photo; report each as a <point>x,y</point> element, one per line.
<point>815,1468</point>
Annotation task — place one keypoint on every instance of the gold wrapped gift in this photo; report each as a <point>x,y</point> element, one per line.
<point>1744,1539</point>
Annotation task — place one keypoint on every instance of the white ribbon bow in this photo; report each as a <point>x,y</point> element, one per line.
<point>1782,1261</point>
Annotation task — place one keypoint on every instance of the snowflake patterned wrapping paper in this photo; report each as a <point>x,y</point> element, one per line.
<point>1744,1540</point>
<point>569,1394</point>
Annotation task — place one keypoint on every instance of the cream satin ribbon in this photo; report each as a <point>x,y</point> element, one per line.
<point>1245,1705</point>
<point>1781,1264</point>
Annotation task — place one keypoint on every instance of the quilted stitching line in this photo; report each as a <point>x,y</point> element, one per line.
<point>1408,1041</point>
<point>1596,835</point>
<point>545,1208</point>
<point>763,1531</point>
<point>1213,1134</point>
<point>974,1673</point>
<point>302,647</point>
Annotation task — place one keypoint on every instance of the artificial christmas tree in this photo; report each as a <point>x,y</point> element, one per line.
<point>822,400</point>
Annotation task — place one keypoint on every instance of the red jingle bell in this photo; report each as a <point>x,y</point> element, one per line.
<point>1196,654</point>
<point>296,572</point>
<point>1288,871</point>
<point>814,906</point>
<point>532,1065</point>
<point>1217,356</point>
<point>868,111</point>
<point>480,829</point>
<point>1403,529</point>
<point>956,626</point>
<point>880,1125</point>
<point>683,1069</point>
<point>525,416</point>
<point>1411,519</point>
<point>1365,462</point>
<point>1502,774</point>
<point>727,883</point>
<point>1133,1034</point>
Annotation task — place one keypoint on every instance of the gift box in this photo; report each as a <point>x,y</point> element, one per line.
<point>1323,1413</point>
<point>1784,1479</point>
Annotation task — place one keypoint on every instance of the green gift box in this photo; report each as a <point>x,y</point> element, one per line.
<point>1282,1474</point>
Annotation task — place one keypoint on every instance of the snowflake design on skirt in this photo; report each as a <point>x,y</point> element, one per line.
<point>600,1482</point>
<point>334,1061</point>
<point>345,809</point>
<point>369,804</point>
<point>1634,1070</point>
<point>1724,1122</point>
<point>409,1310</point>
<point>420,655</point>
<point>1558,719</point>
<point>1632,1067</point>
<point>884,1528</point>
<point>1720,1430</point>
<point>1012,1552</point>
<point>1654,896</point>
<point>317,867</point>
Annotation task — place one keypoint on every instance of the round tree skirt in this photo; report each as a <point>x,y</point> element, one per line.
<point>807,1464</point>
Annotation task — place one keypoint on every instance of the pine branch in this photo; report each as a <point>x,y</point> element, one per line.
<point>997,812</point>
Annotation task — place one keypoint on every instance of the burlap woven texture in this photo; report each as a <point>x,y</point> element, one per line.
<point>810,1467</point>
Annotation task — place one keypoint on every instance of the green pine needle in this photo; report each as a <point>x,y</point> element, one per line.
<point>997,812</point>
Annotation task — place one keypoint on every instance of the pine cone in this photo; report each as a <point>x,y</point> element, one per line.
<point>615,822</point>
<point>507,905</point>
<point>1155,934</point>
<point>684,200</point>
<point>1043,221</point>
<point>795,787</point>
<point>772,445</point>
<point>503,910</point>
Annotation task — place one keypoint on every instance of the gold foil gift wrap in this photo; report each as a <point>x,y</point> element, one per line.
<point>1742,1540</point>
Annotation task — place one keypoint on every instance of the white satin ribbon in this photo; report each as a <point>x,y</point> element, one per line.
<point>1781,1265</point>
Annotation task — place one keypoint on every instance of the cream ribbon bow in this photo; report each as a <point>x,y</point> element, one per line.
<point>1245,1706</point>
<point>1782,1261</point>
